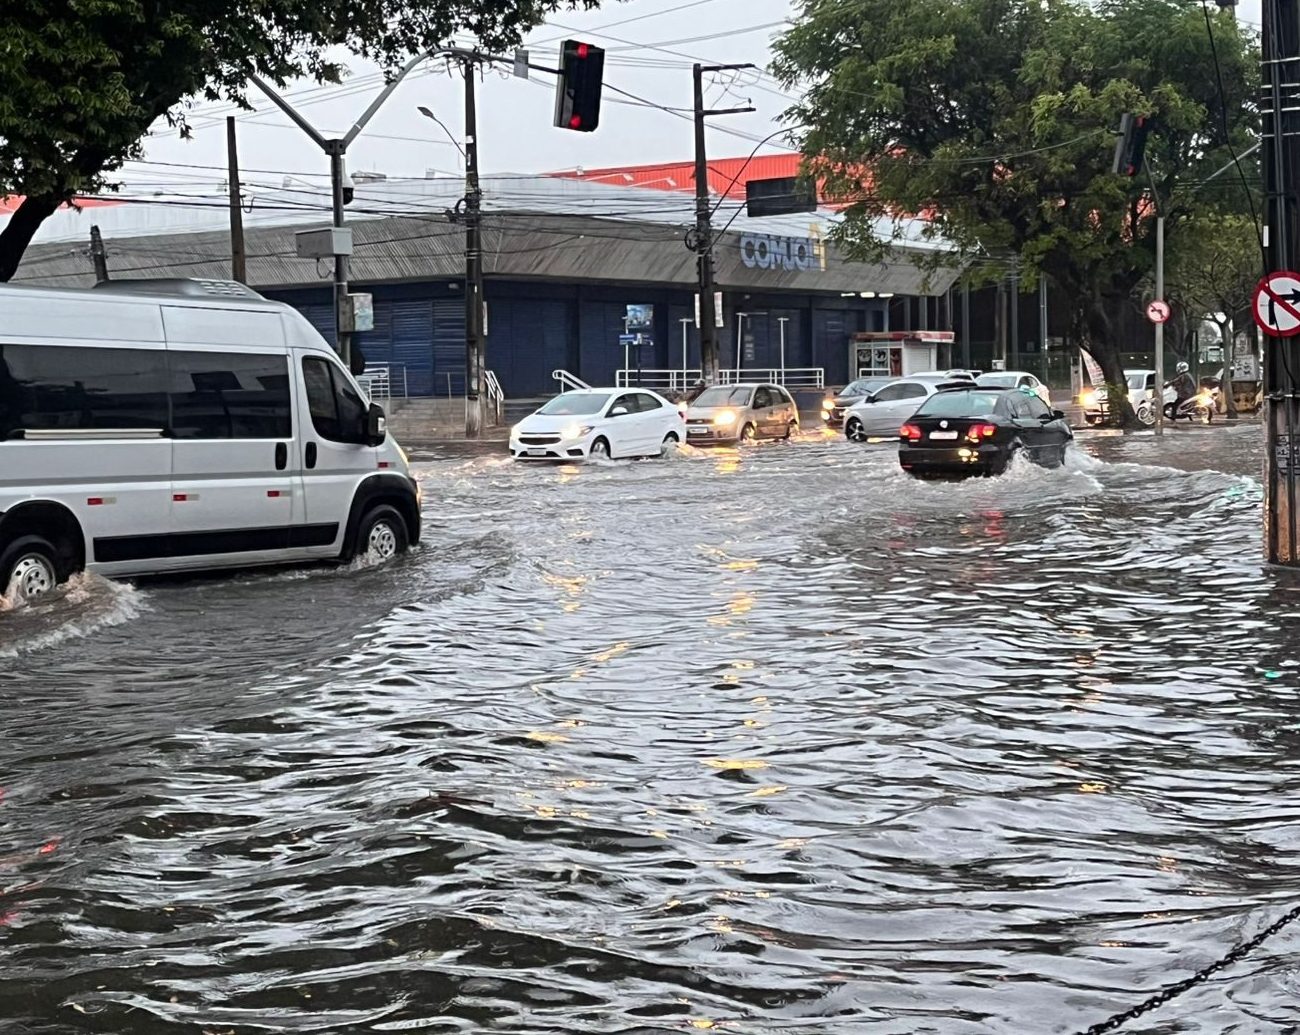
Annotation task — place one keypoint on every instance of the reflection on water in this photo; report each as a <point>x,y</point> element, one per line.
<point>634,747</point>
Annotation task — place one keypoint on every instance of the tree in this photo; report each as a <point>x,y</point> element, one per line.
<point>82,81</point>
<point>1213,274</point>
<point>995,118</point>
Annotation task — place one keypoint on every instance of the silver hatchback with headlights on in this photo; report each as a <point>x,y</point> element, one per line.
<point>741,413</point>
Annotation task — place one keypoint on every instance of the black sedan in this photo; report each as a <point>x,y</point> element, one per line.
<point>980,431</point>
<point>834,406</point>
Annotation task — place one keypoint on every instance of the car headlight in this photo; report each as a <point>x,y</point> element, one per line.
<point>1088,399</point>
<point>576,430</point>
<point>724,418</point>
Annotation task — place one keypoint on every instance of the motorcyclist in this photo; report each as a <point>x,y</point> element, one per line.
<point>695,391</point>
<point>1184,388</point>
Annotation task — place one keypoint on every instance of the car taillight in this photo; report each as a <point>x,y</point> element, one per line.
<point>910,432</point>
<point>981,431</point>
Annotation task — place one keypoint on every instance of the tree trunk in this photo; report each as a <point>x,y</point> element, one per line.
<point>22,226</point>
<point>1225,386</point>
<point>1101,345</point>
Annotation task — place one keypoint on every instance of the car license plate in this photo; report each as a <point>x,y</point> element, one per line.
<point>697,431</point>
<point>536,452</point>
<point>946,436</point>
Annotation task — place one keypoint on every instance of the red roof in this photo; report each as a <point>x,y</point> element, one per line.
<point>10,205</point>
<point>726,175</point>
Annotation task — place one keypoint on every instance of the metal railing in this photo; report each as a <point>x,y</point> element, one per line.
<point>378,381</point>
<point>496,396</point>
<point>569,381</point>
<point>790,377</point>
<point>660,380</point>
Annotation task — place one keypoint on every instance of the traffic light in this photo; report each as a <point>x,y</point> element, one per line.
<point>577,94</point>
<point>1132,143</point>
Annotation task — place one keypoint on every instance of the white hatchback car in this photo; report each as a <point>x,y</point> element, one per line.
<point>599,422</point>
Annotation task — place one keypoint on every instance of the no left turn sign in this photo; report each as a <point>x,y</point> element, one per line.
<point>1158,311</point>
<point>1277,304</point>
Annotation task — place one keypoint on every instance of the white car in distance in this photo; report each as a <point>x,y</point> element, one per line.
<point>599,422</point>
<point>1021,379</point>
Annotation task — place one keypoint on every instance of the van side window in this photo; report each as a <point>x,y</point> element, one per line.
<point>338,412</point>
<point>58,387</point>
<point>229,395</point>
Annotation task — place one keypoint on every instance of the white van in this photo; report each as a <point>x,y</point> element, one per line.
<point>161,426</point>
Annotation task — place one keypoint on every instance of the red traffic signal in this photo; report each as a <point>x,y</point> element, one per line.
<point>577,93</point>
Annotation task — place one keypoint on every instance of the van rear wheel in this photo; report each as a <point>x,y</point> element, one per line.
<point>381,536</point>
<point>30,568</point>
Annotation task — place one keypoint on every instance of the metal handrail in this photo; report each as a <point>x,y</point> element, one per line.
<point>496,395</point>
<point>569,380</point>
<point>789,377</point>
<point>667,379</point>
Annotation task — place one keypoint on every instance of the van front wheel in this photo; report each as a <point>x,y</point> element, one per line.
<point>381,536</point>
<point>29,569</point>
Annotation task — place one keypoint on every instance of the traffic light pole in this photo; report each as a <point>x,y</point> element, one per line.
<point>702,242</point>
<point>1281,159</point>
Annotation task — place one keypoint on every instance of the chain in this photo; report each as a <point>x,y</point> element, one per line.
<point>1178,988</point>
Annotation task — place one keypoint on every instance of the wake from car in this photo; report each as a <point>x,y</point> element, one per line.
<point>84,606</point>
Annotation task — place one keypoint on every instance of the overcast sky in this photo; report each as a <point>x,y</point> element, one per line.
<point>650,45</point>
<point>515,131</point>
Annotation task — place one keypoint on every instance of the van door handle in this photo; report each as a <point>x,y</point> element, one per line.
<point>281,456</point>
<point>311,454</point>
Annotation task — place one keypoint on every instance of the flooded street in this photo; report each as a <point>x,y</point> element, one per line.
<point>777,741</point>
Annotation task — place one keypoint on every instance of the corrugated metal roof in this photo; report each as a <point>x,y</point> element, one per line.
<point>546,245</point>
<point>726,176</point>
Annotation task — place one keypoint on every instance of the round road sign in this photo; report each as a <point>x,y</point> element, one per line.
<point>1158,311</point>
<point>1276,304</point>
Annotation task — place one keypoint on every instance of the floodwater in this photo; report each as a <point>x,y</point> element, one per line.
<point>769,741</point>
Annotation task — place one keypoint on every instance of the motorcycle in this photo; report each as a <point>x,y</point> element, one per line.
<point>1199,407</point>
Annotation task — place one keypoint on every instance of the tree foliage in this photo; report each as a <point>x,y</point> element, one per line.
<point>82,81</point>
<point>995,118</point>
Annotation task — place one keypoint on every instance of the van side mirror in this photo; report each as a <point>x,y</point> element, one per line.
<point>376,426</point>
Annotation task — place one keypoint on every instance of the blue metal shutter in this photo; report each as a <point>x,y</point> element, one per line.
<point>321,317</point>
<point>527,340</point>
<point>412,349</point>
<point>449,348</point>
<point>377,345</point>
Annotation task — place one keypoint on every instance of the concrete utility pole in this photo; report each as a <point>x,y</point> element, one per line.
<point>702,240</point>
<point>238,269</point>
<point>474,357</point>
<point>1281,159</point>
<point>1160,325</point>
<point>1014,295</point>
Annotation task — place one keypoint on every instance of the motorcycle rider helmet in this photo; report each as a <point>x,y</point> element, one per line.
<point>1182,368</point>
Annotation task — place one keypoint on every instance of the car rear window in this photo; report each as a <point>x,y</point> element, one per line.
<point>960,404</point>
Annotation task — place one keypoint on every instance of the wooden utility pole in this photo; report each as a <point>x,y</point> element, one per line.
<point>238,270</point>
<point>97,256</point>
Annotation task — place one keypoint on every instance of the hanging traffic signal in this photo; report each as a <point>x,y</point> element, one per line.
<point>1131,145</point>
<point>577,94</point>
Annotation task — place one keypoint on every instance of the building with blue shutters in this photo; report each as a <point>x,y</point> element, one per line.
<point>564,259</point>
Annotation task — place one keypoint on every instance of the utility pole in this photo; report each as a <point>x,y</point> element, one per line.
<point>702,241</point>
<point>238,269</point>
<point>1281,158</point>
<point>97,256</point>
<point>1160,324</point>
<point>473,265</point>
<point>1015,313</point>
<point>965,321</point>
<point>1042,318</point>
